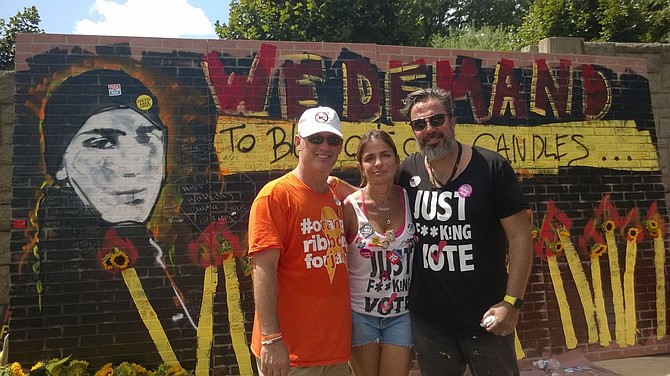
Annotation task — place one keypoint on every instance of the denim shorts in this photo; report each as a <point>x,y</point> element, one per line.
<point>395,330</point>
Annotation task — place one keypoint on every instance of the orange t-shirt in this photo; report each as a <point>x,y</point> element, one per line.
<point>313,301</point>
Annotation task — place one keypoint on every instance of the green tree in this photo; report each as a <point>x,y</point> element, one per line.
<point>24,22</point>
<point>657,15</point>
<point>622,21</point>
<point>560,18</point>
<point>400,22</point>
<point>316,20</point>
<point>487,38</point>
<point>478,13</point>
<point>593,20</point>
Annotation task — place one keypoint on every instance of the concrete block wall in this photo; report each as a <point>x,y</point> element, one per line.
<point>583,132</point>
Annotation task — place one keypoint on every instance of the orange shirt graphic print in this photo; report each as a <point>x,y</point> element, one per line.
<point>333,230</point>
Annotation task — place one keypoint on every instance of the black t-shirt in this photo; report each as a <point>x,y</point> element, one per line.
<point>460,268</point>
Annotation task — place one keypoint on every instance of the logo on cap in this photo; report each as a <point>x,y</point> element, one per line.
<point>321,117</point>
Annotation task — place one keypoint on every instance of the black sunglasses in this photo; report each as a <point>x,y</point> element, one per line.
<point>317,139</point>
<point>434,120</point>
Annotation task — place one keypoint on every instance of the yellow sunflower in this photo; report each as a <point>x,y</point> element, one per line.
<point>632,233</point>
<point>106,370</point>
<point>535,232</point>
<point>17,370</point>
<point>598,249</point>
<point>117,259</point>
<point>609,226</point>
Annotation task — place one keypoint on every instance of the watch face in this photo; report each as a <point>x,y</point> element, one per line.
<point>515,302</point>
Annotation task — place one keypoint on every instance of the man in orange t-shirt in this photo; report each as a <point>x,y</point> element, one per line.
<point>302,324</point>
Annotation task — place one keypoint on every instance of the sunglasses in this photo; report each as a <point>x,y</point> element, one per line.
<point>434,120</point>
<point>317,139</point>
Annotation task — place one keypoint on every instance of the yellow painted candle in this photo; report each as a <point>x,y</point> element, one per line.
<point>236,318</point>
<point>652,225</point>
<point>520,354</point>
<point>629,285</point>
<point>563,307</point>
<point>659,261</point>
<point>615,277</point>
<point>599,299</point>
<point>149,317</point>
<point>206,322</point>
<point>582,284</point>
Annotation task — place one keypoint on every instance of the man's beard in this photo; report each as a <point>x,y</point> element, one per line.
<point>434,153</point>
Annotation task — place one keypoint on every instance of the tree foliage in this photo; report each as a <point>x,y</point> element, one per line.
<point>316,20</point>
<point>597,20</point>
<point>486,38</point>
<point>26,21</point>
<point>657,16</point>
<point>399,22</point>
<point>479,13</point>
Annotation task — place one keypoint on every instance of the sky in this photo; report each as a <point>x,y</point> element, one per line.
<point>144,18</point>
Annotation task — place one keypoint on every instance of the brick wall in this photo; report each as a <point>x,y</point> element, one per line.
<point>584,133</point>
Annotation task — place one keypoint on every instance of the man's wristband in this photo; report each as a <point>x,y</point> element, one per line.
<point>270,338</point>
<point>515,302</point>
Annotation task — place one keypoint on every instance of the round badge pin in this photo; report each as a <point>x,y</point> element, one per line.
<point>414,181</point>
<point>465,190</point>
<point>144,102</point>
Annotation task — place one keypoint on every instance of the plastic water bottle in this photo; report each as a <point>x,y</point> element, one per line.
<point>547,364</point>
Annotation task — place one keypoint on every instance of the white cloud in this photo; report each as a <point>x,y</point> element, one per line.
<point>147,18</point>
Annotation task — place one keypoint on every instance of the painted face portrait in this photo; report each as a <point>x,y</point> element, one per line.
<point>103,137</point>
<point>116,163</point>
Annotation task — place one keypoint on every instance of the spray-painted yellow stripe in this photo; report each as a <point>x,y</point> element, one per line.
<point>149,317</point>
<point>599,298</point>
<point>659,262</point>
<point>563,307</point>
<point>582,287</point>
<point>236,318</point>
<point>629,292</point>
<point>617,294</point>
<point>206,322</point>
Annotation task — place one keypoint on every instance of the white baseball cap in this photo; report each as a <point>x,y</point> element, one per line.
<point>319,119</point>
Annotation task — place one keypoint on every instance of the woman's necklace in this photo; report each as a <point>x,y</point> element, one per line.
<point>380,205</point>
<point>453,170</point>
<point>389,233</point>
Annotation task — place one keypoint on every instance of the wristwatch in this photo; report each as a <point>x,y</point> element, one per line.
<point>515,302</point>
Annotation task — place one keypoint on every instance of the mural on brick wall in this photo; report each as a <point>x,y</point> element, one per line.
<point>134,170</point>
